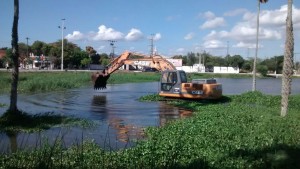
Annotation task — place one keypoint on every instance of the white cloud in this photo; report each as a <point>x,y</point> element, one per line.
<point>216,22</point>
<point>243,34</point>
<point>157,36</point>
<point>209,15</point>
<point>245,45</point>
<point>105,33</point>
<point>76,35</point>
<point>213,44</point>
<point>189,36</point>
<point>134,35</point>
<point>212,21</point>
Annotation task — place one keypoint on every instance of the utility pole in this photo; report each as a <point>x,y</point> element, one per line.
<point>27,54</point>
<point>152,45</point>
<point>112,44</point>
<point>227,48</point>
<point>62,27</point>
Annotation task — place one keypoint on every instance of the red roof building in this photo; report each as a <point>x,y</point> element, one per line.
<point>2,53</point>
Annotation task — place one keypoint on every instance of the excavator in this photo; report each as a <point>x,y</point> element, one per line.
<point>173,83</point>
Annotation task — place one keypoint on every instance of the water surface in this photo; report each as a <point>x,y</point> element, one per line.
<point>117,111</point>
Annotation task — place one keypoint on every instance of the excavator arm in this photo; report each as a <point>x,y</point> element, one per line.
<point>100,78</point>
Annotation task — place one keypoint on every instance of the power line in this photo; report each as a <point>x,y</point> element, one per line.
<point>62,42</point>
<point>112,44</point>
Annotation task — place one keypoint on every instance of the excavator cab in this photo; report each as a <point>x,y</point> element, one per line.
<point>174,84</point>
<point>171,80</point>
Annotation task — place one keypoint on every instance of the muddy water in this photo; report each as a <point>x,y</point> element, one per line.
<point>120,117</point>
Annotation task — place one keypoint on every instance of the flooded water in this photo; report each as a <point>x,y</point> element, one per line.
<point>120,117</point>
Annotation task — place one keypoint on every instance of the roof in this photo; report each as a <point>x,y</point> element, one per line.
<point>2,53</point>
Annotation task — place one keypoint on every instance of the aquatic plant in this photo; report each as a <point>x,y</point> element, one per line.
<point>244,131</point>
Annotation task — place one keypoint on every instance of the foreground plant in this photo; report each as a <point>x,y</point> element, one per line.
<point>242,131</point>
<point>22,121</point>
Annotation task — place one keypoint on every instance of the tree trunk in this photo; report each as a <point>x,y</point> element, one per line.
<point>256,49</point>
<point>15,58</point>
<point>287,71</point>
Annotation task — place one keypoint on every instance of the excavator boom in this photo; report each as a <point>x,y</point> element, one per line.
<point>157,62</point>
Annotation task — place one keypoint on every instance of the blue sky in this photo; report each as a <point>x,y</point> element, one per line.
<point>177,26</point>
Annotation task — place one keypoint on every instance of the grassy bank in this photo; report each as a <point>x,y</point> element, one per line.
<point>31,82</point>
<point>240,131</point>
<point>43,81</point>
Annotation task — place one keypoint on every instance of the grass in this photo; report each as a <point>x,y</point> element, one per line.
<point>34,82</point>
<point>22,121</point>
<point>239,131</point>
<point>31,82</point>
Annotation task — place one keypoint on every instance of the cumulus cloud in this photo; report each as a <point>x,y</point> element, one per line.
<point>134,35</point>
<point>272,18</point>
<point>157,36</point>
<point>243,34</point>
<point>209,15</point>
<point>76,35</point>
<point>246,45</point>
<point>189,36</point>
<point>105,33</point>
<point>213,44</point>
<point>212,21</point>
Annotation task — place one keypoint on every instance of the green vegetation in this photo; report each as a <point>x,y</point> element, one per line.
<point>133,77</point>
<point>22,121</point>
<point>32,82</point>
<point>216,75</point>
<point>44,81</point>
<point>240,131</point>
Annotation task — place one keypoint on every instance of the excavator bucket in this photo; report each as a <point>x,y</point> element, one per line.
<point>100,80</point>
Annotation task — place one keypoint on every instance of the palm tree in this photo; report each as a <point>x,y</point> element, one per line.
<point>15,58</point>
<point>256,50</point>
<point>287,71</point>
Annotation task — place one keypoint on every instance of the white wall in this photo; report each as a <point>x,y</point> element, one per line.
<point>218,69</point>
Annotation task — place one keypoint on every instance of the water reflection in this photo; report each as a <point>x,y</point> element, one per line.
<point>168,113</point>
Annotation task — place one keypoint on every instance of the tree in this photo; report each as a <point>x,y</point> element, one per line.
<point>90,50</point>
<point>256,50</point>
<point>274,64</point>
<point>236,61</point>
<point>37,47</point>
<point>287,71</point>
<point>15,58</point>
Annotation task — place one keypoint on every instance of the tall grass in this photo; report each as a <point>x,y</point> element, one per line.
<point>45,81</point>
<point>242,131</point>
<point>31,82</point>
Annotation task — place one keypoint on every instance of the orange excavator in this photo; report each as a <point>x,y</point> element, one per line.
<point>173,83</point>
<point>157,62</point>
